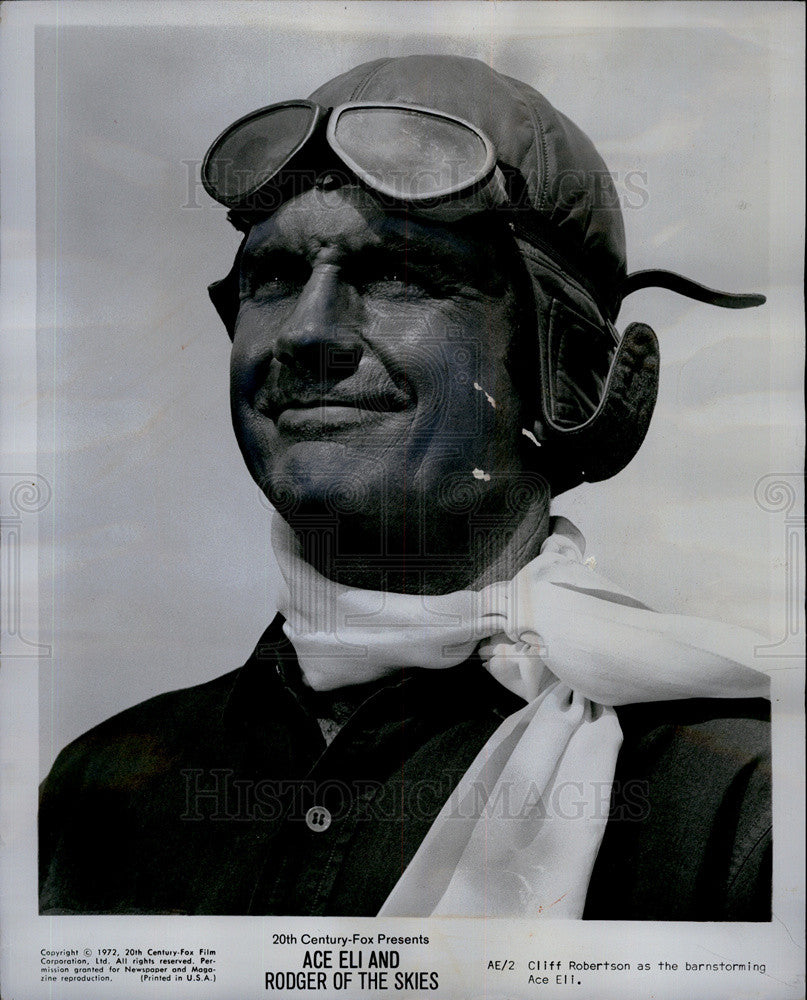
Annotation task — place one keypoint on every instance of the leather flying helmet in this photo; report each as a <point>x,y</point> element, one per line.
<point>596,389</point>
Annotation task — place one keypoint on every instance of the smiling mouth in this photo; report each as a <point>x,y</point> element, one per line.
<point>321,404</point>
<point>321,407</point>
<point>313,420</point>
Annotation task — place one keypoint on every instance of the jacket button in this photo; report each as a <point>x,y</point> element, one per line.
<point>318,819</point>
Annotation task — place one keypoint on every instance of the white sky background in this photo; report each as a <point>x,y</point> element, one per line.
<point>155,565</point>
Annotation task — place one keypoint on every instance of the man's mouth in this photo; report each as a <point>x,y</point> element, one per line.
<point>313,419</point>
<point>322,406</point>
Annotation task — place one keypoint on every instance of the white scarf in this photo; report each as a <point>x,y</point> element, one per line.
<point>521,831</point>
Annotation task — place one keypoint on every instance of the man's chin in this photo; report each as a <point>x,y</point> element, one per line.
<point>324,478</point>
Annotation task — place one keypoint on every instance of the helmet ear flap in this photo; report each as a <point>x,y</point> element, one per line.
<point>597,392</point>
<point>224,294</point>
<point>604,444</point>
<point>627,407</point>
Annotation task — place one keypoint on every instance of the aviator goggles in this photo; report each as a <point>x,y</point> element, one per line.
<point>436,165</point>
<point>432,163</point>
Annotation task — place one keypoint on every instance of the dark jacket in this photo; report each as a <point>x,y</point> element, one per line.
<point>195,801</point>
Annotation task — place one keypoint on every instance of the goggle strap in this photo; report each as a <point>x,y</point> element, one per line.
<point>656,278</point>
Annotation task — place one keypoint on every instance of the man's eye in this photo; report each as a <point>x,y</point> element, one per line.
<point>276,279</point>
<point>384,276</point>
<point>392,279</point>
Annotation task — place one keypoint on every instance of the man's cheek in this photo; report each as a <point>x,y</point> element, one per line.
<point>257,327</point>
<point>257,439</point>
<point>416,339</point>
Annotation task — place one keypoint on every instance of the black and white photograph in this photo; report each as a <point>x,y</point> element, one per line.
<point>402,499</point>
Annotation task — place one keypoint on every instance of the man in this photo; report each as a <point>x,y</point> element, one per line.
<point>452,714</point>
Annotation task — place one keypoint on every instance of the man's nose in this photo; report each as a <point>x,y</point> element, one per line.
<point>320,339</point>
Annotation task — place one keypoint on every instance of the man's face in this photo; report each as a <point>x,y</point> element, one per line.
<point>368,373</point>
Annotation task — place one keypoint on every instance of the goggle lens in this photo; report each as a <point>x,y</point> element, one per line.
<point>253,150</point>
<point>410,154</point>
